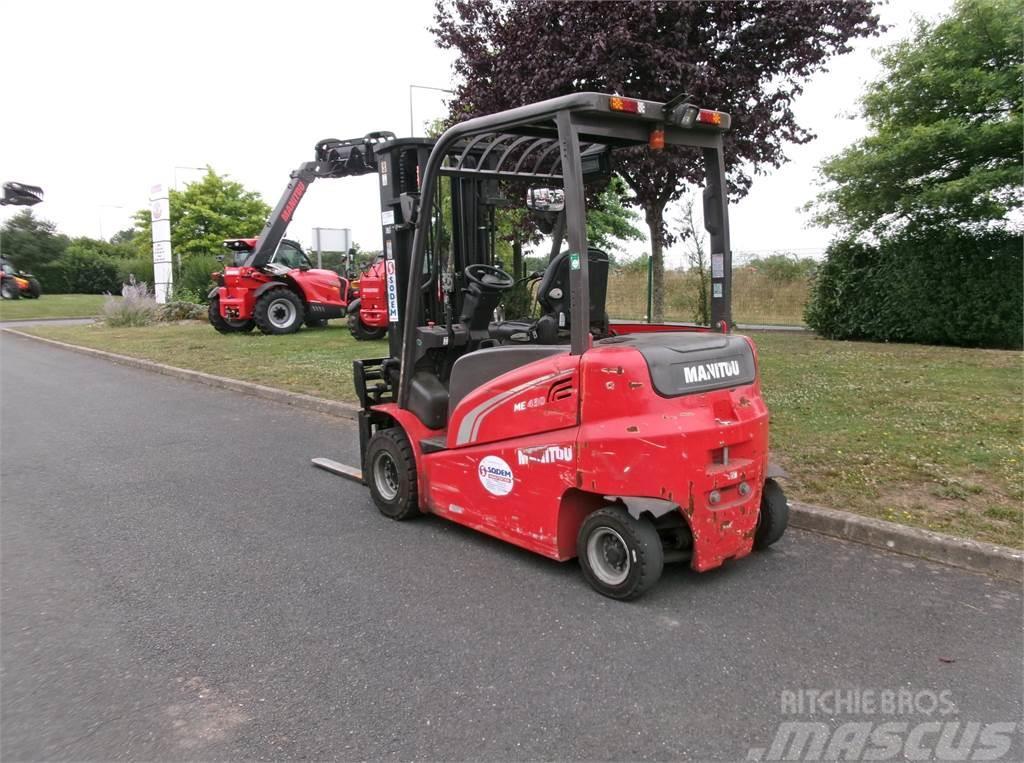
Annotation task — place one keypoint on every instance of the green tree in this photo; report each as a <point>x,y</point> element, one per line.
<point>945,129</point>
<point>205,213</point>
<point>31,243</point>
<point>610,220</point>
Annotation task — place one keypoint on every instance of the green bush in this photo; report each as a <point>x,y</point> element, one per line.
<point>80,271</point>
<point>193,277</point>
<point>140,268</point>
<point>936,287</point>
<point>181,311</point>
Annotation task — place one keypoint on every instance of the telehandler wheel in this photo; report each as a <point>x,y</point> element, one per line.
<point>35,290</point>
<point>226,325</point>
<point>362,332</point>
<point>774,516</point>
<point>621,557</point>
<point>316,323</point>
<point>9,289</point>
<point>391,474</point>
<point>279,311</point>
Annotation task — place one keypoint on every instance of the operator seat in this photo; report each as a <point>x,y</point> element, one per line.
<point>553,296</point>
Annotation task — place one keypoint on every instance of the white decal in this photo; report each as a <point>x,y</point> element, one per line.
<point>544,454</point>
<point>391,284</point>
<point>495,475</point>
<point>533,402</point>
<point>708,371</point>
<point>387,218</point>
<point>718,266</point>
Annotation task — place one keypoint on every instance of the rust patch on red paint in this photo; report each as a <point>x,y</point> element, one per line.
<point>633,428</point>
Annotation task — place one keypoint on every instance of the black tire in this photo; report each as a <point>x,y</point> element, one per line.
<point>279,311</point>
<point>226,325</point>
<point>391,474</point>
<point>362,332</point>
<point>621,557</point>
<point>9,289</point>
<point>316,323</point>
<point>35,289</point>
<point>774,516</point>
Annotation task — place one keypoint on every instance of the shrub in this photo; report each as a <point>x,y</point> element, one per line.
<point>135,308</point>
<point>933,287</point>
<point>181,311</point>
<point>194,276</point>
<point>82,271</point>
<point>140,268</point>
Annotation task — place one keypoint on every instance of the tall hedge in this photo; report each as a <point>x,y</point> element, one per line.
<point>942,287</point>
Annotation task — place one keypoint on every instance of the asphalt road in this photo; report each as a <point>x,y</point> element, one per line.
<point>179,583</point>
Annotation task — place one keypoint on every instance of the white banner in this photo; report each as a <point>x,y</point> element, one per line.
<point>163,271</point>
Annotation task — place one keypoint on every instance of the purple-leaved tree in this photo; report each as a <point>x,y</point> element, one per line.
<point>749,58</point>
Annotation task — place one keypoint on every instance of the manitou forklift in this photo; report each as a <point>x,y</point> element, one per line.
<point>626,446</point>
<point>271,284</point>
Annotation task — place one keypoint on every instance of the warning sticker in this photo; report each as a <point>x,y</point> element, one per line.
<point>387,218</point>
<point>574,260</point>
<point>718,266</point>
<point>716,291</point>
<point>496,475</point>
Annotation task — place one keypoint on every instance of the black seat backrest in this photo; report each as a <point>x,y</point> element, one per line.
<point>556,279</point>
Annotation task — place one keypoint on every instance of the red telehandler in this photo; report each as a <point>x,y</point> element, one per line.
<point>272,285</point>
<point>623,445</point>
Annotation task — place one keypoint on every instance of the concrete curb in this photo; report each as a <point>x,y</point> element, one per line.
<point>297,399</point>
<point>984,558</point>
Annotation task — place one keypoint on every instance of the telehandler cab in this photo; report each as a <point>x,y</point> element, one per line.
<point>625,445</point>
<point>271,284</point>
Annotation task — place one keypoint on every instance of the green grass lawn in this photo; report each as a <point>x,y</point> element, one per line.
<point>926,436</point>
<point>52,306</point>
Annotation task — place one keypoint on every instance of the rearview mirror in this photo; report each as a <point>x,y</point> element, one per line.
<point>545,199</point>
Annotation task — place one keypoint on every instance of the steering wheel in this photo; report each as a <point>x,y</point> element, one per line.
<point>489,277</point>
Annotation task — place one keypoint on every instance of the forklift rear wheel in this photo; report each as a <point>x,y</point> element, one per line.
<point>279,311</point>
<point>34,289</point>
<point>316,323</point>
<point>392,474</point>
<point>9,290</point>
<point>226,325</point>
<point>774,516</point>
<point>621,557</point>
<point>362,332</point>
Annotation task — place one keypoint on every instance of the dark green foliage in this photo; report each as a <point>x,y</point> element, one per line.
<point>941,286</point>
<point>194,274</point>
<point>139,267</point>
<point>82,270</point>
<point>30,243</point>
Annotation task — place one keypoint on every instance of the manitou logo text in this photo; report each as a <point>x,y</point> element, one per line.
<point>708,371</point>
<point>293,201</point>
<point>544,455</point>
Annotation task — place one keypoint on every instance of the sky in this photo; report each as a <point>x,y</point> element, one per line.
<point>108,98</point>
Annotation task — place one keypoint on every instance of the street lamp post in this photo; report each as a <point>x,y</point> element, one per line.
<point>412,131</point>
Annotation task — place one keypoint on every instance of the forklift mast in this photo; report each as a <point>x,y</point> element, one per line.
<point>334,159</point>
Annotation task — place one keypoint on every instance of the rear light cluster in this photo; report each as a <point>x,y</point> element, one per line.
<point>685,115</point>
<point>628,105</point>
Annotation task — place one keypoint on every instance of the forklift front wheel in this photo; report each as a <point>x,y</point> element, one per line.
<point>392,474</point>
<point>621,557</point>
<point>774,516</point>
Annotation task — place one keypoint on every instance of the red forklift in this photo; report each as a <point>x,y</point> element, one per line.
<point>623,445</point>
<point>271,283</point>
